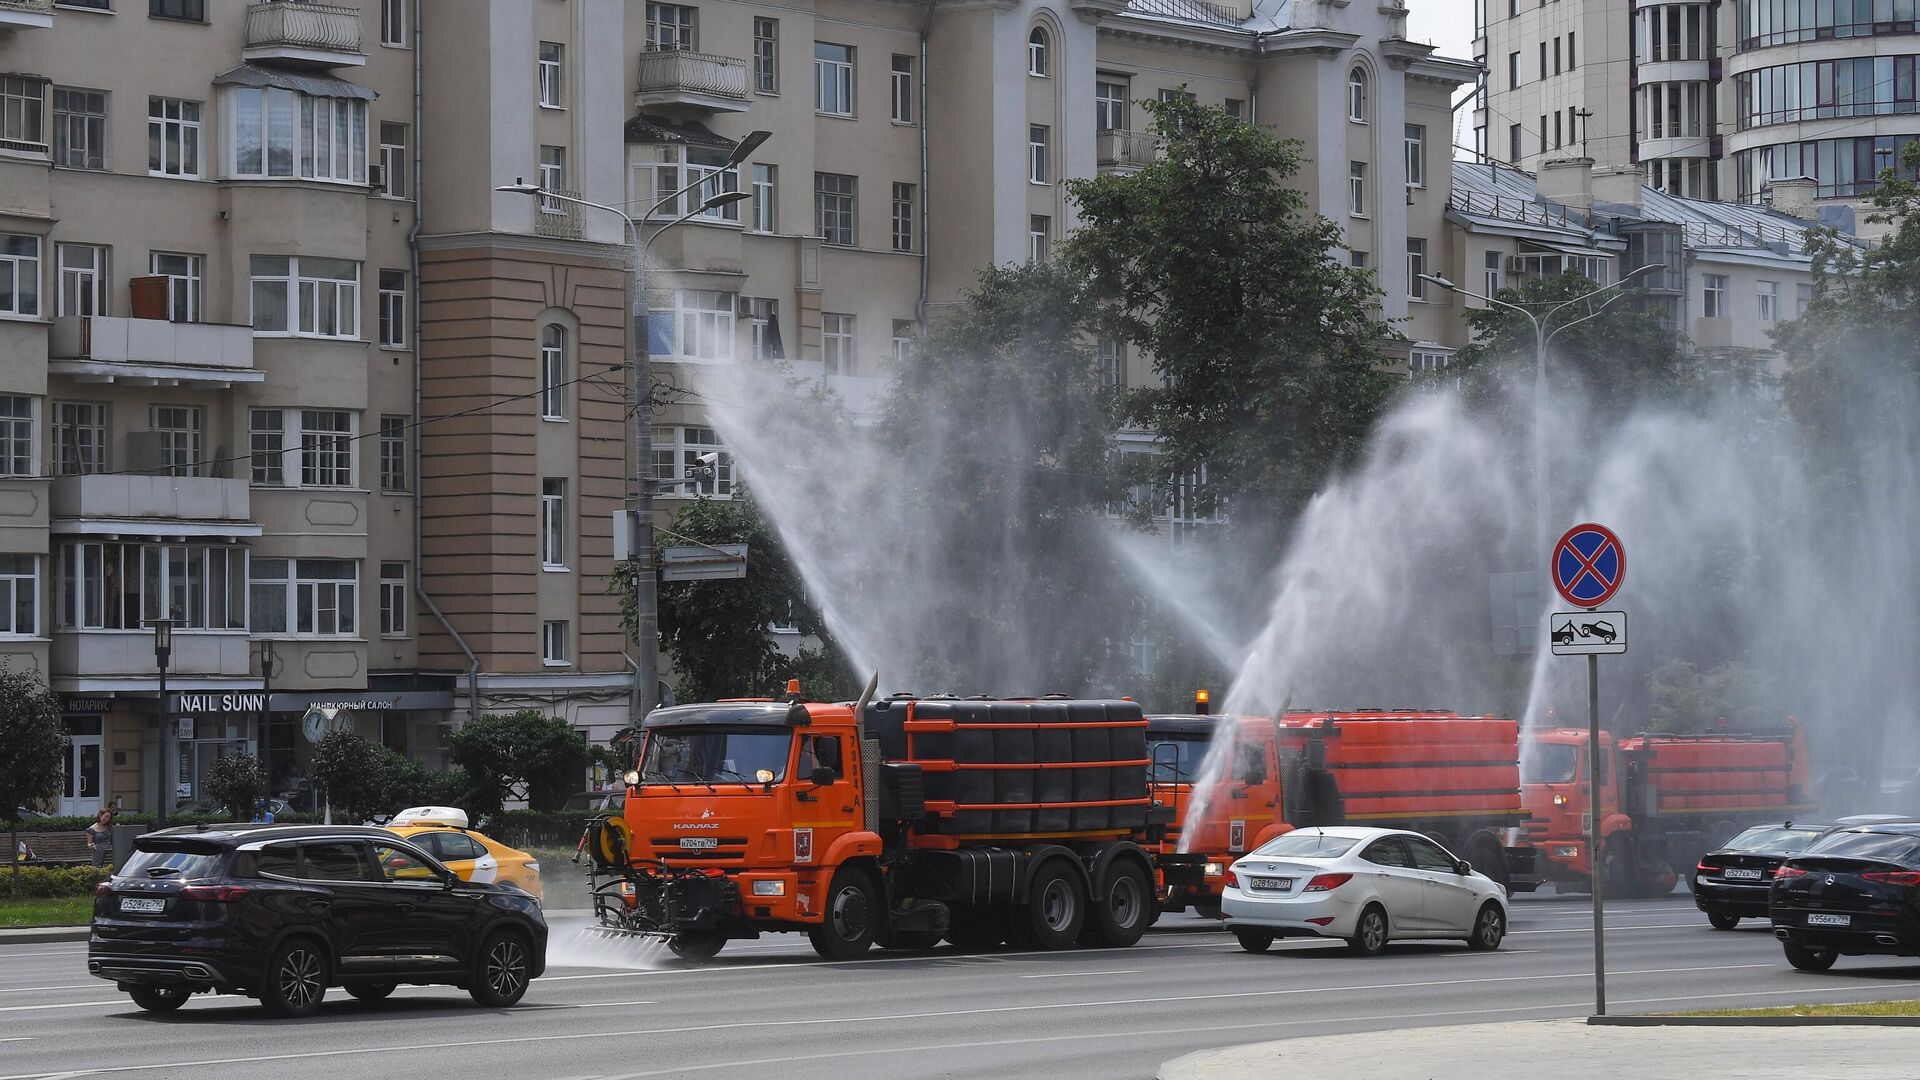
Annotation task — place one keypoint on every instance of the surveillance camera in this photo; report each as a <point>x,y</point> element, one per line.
<point>708,458</point>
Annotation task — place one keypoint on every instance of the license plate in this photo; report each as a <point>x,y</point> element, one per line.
<point>1274,884</point>
<point>142,905</point>
<point>1829,920</point>
<point>1735,873</point>
<point>698,843</point>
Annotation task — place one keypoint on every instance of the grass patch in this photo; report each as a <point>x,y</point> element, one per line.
<point>1853,1008</point>
<point>62,911</point>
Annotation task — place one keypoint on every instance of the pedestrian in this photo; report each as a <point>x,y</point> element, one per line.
<point>100,837</point>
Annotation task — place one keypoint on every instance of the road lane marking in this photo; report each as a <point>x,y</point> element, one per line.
<point>736,1026</point>
<point>1588,929</point>
<point>806,963</point>
<point>1082,974</point>
<point>70,986</point>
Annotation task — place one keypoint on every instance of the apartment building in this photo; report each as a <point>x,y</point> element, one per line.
<point>1712,100</point>
<point>300,380</point>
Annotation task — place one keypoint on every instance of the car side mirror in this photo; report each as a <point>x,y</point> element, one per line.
<point>1463,868</point>
<point>823,775</point>
<point>449,881</point>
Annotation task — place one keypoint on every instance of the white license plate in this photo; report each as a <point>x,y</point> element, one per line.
<point>1736,873</point>
<point>1829,920</point>
<point>142,905</point>
<point>698,843</point>
<point>1274,884</point>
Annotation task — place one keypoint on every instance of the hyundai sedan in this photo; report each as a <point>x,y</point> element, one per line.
<point>1364,886</point>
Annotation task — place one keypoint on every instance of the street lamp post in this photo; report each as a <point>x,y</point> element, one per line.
<point>266,719</point>
<point>163,652</point>
<point>646,598</point>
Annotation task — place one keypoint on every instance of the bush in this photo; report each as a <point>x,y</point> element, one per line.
<point>71,823</point>
<point>510,753</point>
<point>532,828</point>
<point>237,782</point>
<point>50,882</point>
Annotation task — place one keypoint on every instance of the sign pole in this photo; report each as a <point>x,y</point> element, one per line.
<point>1593,837</point>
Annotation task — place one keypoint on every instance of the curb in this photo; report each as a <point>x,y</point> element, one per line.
<point>40,935</point>
<point>1754,1021</point>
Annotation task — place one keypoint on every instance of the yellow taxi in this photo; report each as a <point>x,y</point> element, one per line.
<point>443,832</point>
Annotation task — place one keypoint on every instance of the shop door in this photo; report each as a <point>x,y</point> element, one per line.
<point>80,793</point>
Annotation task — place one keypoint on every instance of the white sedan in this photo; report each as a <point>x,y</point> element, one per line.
<point>1366,886</point>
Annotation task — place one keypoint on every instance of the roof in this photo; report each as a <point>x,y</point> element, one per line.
<point>770,713</point>
<point>648,129</point>
<point>305,82</point>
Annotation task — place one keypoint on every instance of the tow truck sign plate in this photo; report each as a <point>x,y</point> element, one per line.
<point>698,843</point>
<point>1580,633</point>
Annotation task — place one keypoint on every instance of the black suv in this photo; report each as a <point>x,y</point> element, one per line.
<point>282,912</point>
<point>1853,892</point>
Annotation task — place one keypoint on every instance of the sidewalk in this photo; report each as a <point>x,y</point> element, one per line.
<point>1577,1051</point>
<point>36,935</point>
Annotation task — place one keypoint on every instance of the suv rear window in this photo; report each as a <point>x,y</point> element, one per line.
<point>174,862</point>
<point>1901,848</point>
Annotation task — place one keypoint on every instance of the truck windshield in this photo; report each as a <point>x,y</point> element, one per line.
<point>1176,758</point>
<point>1550,763</point>
<point>715,755</point>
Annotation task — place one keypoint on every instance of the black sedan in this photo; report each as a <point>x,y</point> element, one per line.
<point>1731,882</point>
<point>282,912</point>
<point>1853,892</point>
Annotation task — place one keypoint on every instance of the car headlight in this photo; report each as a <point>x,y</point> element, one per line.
<point>769,888</point>
<point>1567,851</point>
<point>1214,869</point>
<point>632,778</point>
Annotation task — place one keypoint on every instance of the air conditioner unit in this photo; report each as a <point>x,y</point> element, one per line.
<point>377,177</point>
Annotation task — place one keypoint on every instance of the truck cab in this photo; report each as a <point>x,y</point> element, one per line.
<point>1553,784</point>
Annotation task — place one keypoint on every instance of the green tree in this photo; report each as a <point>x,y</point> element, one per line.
<point>33,748</point>
<point>348,770</point>
<point>237,782</point>
<point>522,754</point>
<point>1686,699</point>
<point>1212,262</point>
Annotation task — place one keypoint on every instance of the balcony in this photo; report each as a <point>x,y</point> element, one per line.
<point>17,14</point>
<point>129,503</point>
<point>698,80</point>
<point>311,33</point>
<point>151,352</point>
<point>1125,151</point>
<point>558,219</point>
<point>126,656</point>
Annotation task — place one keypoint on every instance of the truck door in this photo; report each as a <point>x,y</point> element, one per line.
<point>822,812</point>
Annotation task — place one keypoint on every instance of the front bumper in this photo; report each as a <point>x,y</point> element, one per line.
<point>1322,915</point>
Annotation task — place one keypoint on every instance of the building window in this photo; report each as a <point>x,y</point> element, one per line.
<point>902,341</point>
<point>393,22</point>
<point>183,283</point>
<point>1111,354</point>
<point>1357,259</point>
<point>553,644</point>
<point>393,453</point>
<point>1556,129</point>
<point>1110,106</point>
<point>553,523</point>
<point>836,343</point>
<point>669,27</point>
<point>110,586</point>
<point>186,10</point>
<point>16,435</point>
<point>1491,284</point>
<point>326,448</point>
<point>19,595</point>
<point>393,599</point>
<point>553,177</point>
<point>903,217</point>
<point>1427,360</point>
<point>1802,299</point>
<point>1513,71</point>
<point>19,274</point>
<point>1357,96</point>
<point>699,326</point>
<point>1416,144</point>
<point>833,196</point>
<point>1769,292</point>
<point>553,87</point>
<point>1357,188</point>
<point>393,160</point>
<point>1039,238</point>
<point>82,279</point>
<point>304,296</point>
<point>275,134</point>
<point>766,55</point>
<point>1713,296</point>
<point>1236,108</point>
<point>79,438</point>
<point>322,594</point>
<point>1543,134</point>
<point>763,324</point>
<point>1571,62</point>
<point>1037,153</point>
<point>268,444</point>
<point>698,169</point>
<point>393,309</point>
<point>677,454</point>
<point>173,137</point>
<point>553,372</point>
<point>1416,266</point>
<point>902,83</point>
<point>1516,148</point>
<point>23,103</point>
<point>1037,58</point>
<point>764,219</point>
<point>179,429</point>
<point>833,78</point>
<point>79,128</point>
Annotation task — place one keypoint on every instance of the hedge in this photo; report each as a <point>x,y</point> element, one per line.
<point>50,882</point>
<point>76,824</point>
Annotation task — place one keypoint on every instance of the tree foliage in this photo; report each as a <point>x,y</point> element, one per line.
<point>348,770</point>
<point>1212,262</point>
<point>520,754</point>
<point>1686,699</point>
<point>33,741</point>
<point>237,782</point>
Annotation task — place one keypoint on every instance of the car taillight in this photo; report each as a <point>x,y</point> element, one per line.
<point>1703,868</point>
<point>1789,872</point>
<point>1326,882</point>
<point>1893,877</point>
<point>219,894</point>
<point>1233,882</point>
<point>104,888</point>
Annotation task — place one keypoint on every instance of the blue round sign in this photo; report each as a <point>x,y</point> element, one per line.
<point>1588,565</point>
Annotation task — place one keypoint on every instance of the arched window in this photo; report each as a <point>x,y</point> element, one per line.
<point>1037,52</point>
<point>1357,96</point>
<point>553,371</point>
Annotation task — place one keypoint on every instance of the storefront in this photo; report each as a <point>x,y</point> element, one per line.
<point>83,788</point>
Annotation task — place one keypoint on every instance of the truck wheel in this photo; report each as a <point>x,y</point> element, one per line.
<point>977,929</point>
<point>1485,854</point>
<point>697,947</point>
<point>1056,909</point>
<point>1808,958</point>
<point>852,916</point>
<point>1619,870</point>
<point>1123,917</point>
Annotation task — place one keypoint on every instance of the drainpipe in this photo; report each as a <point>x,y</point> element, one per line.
<point>419,495</point>
<point>926,194</point>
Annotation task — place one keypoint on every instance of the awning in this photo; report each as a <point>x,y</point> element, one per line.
<point>305,82</point>
<point>651,130</point>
